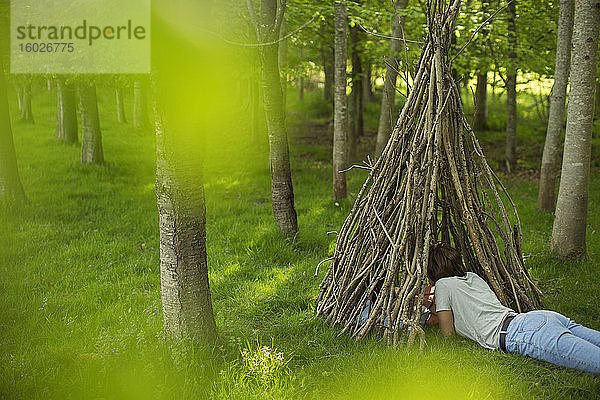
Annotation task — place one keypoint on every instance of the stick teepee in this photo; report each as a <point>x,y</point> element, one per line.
<point>431,183</point>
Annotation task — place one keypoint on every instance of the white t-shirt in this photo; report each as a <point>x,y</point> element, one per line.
<point>477,311</point>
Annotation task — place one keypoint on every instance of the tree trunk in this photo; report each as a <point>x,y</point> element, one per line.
<point>340,129</point>
<point>301,79</point>
<point>556,116</point>
<point>357,105</point>
<point>368,95</point>
<point>11,189</point>
<point>494,77</point>
<point>597,101</point>
<point>511,90</point>
<point>327,56</point>
<point>568,232</point>
<point>351,139</point>
<point>66,111</point>
<point>140,106</point>
<point>282,191</point>
<point>91,137</point>
<point>185,292</point>
<point>26,113</point>
<point>480,113</point>
<point>120,105</point>
<point>387,114</point>
<point>282,55</point>
<point>357,83</point>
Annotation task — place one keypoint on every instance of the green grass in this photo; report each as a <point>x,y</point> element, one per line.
<point>80,311</point>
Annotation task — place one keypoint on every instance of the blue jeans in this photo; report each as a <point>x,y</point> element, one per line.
<point>552,337</point>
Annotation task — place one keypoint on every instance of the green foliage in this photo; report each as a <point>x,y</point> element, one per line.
<point>262,372</point>
<point>536,36</point>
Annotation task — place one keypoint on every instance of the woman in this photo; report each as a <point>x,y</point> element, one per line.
<point>466,304</point>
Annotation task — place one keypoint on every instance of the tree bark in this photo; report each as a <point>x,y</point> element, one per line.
<point>282,191</point>
<point>356,105</point>
<point>327,57</point>
<point>511,90</point>
<point>340,129</point>
<point>11,189</point>
<point>26,112</point>
<point>568,232</point>
<point>556,115</point>
<point>357,83</point>
<point>597,101</point>
<point>91,136</point>
<point>185,292</point>
<point>351,140</point>
<point>282,55</point>
<point>387,114</point>
<point>66,111</point>
<point>481,110</point>
<point>140,106</point>
<point>368,95</point>
<point>119,95</point>
<point>301,79</point>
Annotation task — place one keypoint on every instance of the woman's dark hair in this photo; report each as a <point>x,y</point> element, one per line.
<point>444,261</point>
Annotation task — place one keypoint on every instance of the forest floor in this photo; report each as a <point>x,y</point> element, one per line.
<point>80,310</point>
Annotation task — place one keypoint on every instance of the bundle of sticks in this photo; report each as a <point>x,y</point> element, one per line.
<point>432,183</point>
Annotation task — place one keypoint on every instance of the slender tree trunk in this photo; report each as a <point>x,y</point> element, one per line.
<point>301,88</point>
<point>368,95</point>
<point>282,54</point>
<point>327,57</point>
<point>282,191</point>
<point>91,136</point>
<point>26,112</point>
<point>357,104</point>
<point>570,219</point>
<point>66,111</point>
<point>556,116</point>
<point>387,113</point>
<point>351,140</point>
<point>511,91</point>
<point>480,113</point>
<point>11,189</point>
<point>185,292</point>
<point>597,101</point>
<point>140,105</point>
<point>301,78</point>
<point>357,83</point>
<point>119,95</point>
<point>494,84</point>
<point>340,129</point>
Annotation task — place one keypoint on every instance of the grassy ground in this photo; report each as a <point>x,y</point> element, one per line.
<point>80,310</point>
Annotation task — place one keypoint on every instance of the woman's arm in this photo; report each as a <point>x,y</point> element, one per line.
<point>446,322</point>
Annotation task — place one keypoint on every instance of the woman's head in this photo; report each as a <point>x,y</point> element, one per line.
<point>444,261</point>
